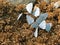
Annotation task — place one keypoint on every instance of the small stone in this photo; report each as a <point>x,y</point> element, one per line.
<point>25,25</point>
<point>26,34</point>
<point>8,27</point>
<point>50,7</point>
<point>30,42</point>
<point>20,7</point>
<point>50,15</point>
<point>2,22</point>
<point>57,4</point>
<point>8,20</point>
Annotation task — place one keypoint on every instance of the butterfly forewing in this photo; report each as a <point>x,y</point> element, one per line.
<point>29,7</point>
<point>42,25</point>
<point>44,16</point>
<point>41,18</point>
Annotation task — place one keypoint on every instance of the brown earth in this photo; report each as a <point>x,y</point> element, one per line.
<point>14,32</point>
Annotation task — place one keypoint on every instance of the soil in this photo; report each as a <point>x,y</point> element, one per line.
<point>13,32</point>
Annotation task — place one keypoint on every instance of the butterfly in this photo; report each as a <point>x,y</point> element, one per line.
<point>35,11</point>
<point>40,21</point>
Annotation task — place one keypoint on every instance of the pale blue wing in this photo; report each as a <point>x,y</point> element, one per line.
<point>34,25</point>
<point>36,32</point>
<point>44,16</point>
<point>36,11</point>
<point>42,25</point>
<point>41,18</point>
<point>48,26</point>
<point>29,7</point>
<point>30,20</point>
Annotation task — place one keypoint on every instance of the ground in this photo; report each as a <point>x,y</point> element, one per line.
<point>13,32</point>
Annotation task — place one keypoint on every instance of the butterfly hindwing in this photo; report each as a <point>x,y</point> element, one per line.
<point>34,25</point>
<point>36,32</point>
<point>48,26</point>
<point>30,20</point>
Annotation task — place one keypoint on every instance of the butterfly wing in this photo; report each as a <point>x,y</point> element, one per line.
<point>36,11</point>
<point>41,18</point>
<point>29,7</point>
<point>34,25</point>
<point>48,26</point>
<point>36,32</point>
<point>42,25</point>
<point>29,19</point>
<point>44,16</point>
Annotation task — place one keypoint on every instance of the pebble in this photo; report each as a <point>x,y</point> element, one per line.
<point>57,4</point>
<point>2,22</point>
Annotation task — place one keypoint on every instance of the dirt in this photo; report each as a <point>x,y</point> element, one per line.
<point>13,32</point>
